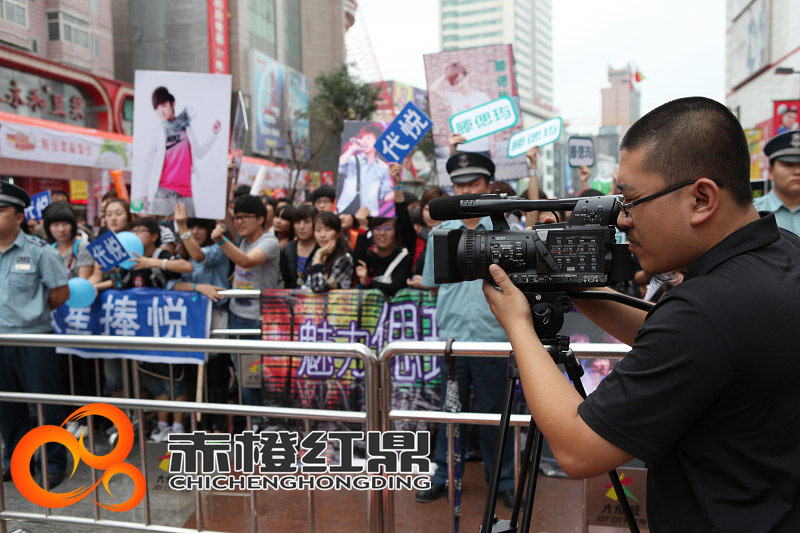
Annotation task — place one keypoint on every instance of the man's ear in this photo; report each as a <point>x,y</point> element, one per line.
<point>705,198</point>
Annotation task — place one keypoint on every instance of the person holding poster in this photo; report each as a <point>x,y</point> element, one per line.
<point>363,176</point>
<point>172,177</point>
<point>453,86</point>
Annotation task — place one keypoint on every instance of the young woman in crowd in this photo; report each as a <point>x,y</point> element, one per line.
<point>332,264</point>
<point>61,228</point>
<point>295,257</point>
<point>283,225</point>
<point>386,264</point>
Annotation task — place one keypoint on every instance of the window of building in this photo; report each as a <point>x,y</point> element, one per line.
<point>482,35</point>
<point>96,46</point>
<point>64,27</point>
<point>15,11</point>
<point>261,21</point>
<point>451,26</point>
<point>292,34</point>
<point>450,38</point>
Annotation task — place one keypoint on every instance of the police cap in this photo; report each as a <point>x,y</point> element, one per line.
<point>784,147</point>
<point>465,167</point>
<point>11,194</point>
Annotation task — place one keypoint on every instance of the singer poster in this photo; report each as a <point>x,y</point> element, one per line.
<point>181,130</point>
<point>363,179</point>
<point>459,80</point>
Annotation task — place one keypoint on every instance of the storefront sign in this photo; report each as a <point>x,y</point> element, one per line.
<point>35,96</point>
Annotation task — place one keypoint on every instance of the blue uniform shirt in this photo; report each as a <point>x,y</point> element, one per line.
<point>786,218</point>
<point>29,269</point>
<point>461,308</point>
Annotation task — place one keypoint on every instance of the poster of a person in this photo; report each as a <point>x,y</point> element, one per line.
<point>786,116</point>
<point>364,178</point>
<point>180,143</point>
<point>461,80</point>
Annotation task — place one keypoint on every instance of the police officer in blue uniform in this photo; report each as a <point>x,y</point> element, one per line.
<point>33,281</point>
<point>783,152</point>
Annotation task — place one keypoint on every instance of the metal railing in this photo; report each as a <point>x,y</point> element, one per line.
<point>461,349</point>
<point>370,417</point>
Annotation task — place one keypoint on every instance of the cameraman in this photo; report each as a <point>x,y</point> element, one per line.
<point>707,395</point>
<point>461,313</point>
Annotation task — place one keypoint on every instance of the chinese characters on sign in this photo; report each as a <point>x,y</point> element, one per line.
<point>403,134</point>
<point>42,99</point>
<point>539,135</point>
<point>206,461</point>
<point>485,119</point>
<point>580,151</point>
<point>218,52</point>
<point>38,203</point>
<point>108,251</point>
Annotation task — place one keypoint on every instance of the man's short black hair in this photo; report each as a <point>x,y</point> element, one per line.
<point>323,191</point>
<point>250,204</point>
<point>267,199</point>
<point>241,190</point>
<point>151,225</point>
<point>59,212</point>
<point>693,138</point>
<point>161,95</point>
<point>64,193</point>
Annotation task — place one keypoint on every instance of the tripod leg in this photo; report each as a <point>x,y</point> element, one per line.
<point>502,435</point>
<point>534,471</point>
<point>623,502</point>
<point>524,470</point>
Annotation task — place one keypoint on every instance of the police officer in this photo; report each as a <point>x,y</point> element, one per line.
<point>783,152</point>
<point>33,281</point>
<point>462,314</point>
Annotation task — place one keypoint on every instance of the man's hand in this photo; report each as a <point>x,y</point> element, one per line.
<point>533,159</point>
<point>454,140</point>
<point>181,218</point>
<point>141,262</point>
<point>584,173</point>
<point>415,281</point>
<point>362,216</point>
<point>361,272</point>
<point>210,291</point>
<point>508,304</point>
<point>396,172</point>
<point>218,233</point>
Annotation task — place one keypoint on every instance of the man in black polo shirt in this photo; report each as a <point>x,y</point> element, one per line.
<point>707,396</point>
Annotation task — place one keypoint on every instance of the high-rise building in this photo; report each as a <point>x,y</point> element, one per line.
<point>621,102</point>
<point>528,26</point>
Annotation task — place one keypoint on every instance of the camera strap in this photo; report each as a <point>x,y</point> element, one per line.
<point>448,358</point>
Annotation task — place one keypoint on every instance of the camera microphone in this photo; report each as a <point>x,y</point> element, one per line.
<point>481,205</point>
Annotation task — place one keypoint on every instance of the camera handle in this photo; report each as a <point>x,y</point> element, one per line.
<point>548,317</point>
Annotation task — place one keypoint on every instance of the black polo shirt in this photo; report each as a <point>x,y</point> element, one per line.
<point>708,396</point>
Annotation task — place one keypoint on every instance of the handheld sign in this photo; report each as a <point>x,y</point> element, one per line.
<point>485,119</point>
<point>403,134</point>
<point>539,135</point>
<point>108,251</point>
<point>580,151</point>
<point>38,203</point>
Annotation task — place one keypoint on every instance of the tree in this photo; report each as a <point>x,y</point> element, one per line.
<point>339,97</point>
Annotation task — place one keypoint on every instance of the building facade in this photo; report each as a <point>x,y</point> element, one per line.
<point>527,26</point>
<point>621,103</point>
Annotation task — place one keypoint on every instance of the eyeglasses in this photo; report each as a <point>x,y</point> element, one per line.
<point>625,207</point>
<point>239,218</point>
<point>384,229</point>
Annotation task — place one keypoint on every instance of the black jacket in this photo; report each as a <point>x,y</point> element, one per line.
<point>288,264</point>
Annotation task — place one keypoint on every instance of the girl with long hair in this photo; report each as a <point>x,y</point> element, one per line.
<point>332,264</point>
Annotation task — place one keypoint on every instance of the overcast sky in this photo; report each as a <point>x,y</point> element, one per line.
<point>678,45</point>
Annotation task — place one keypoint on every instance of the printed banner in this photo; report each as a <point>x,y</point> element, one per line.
<point>138,313</point>
<point>580,151</point>
<point>545,133</point>
<point>459,80</point>
<point>19,140</point>
<point>180,137</point>
<point>363,178</point>
<point>403,134</point>
<point>784,116</point>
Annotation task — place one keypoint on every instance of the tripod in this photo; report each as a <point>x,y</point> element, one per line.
<point>548,316</point>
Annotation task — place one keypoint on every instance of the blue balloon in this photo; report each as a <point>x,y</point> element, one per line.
<point>132,244</point>
<point>81,293</point>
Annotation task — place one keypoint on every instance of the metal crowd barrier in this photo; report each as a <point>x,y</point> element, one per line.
<point>461,349</point>
<point>370,417</point>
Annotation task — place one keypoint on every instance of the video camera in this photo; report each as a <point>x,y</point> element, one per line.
<point>581,252</point>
